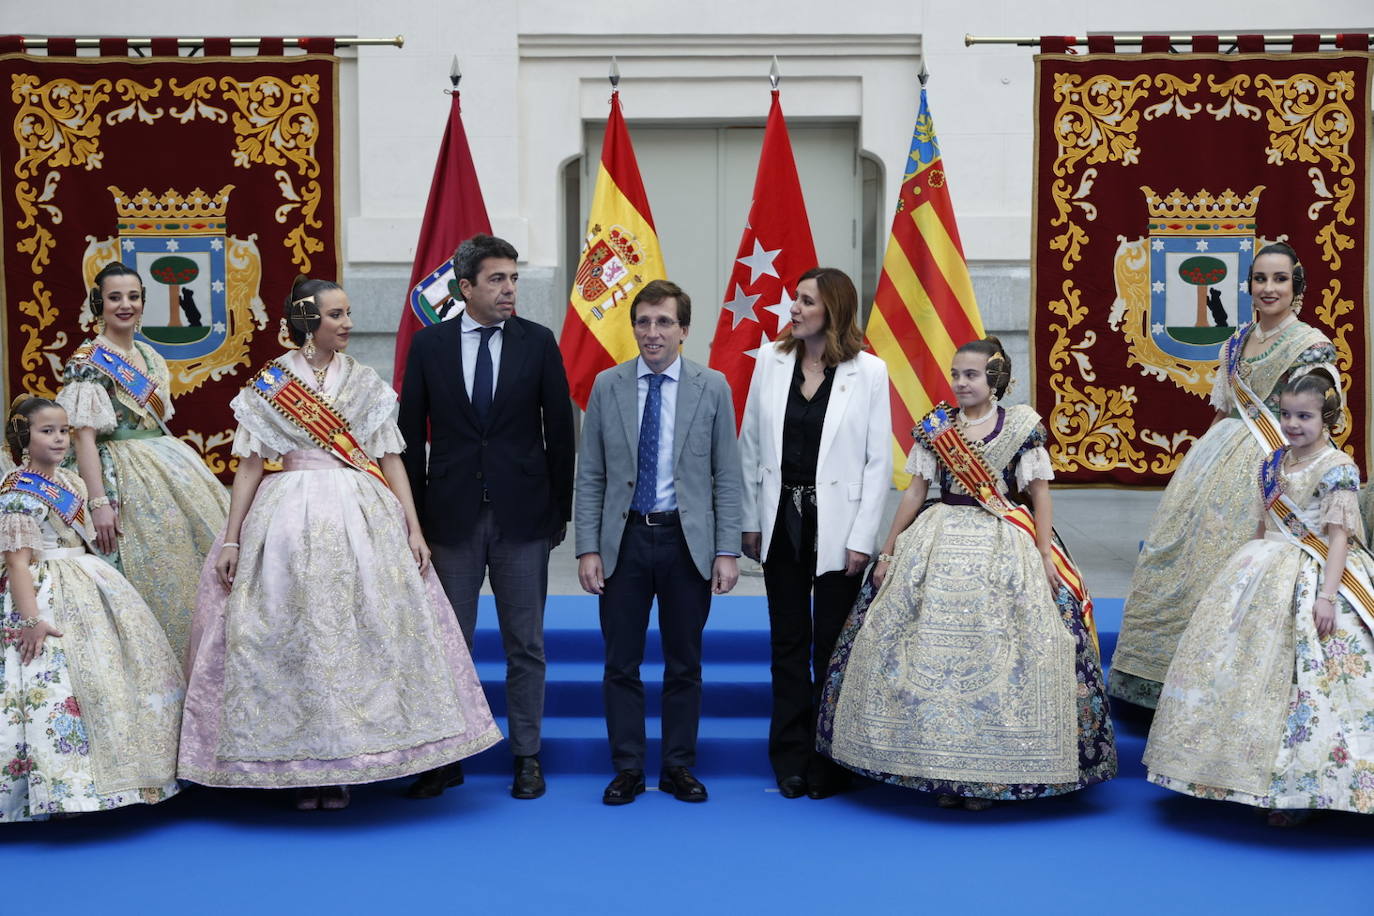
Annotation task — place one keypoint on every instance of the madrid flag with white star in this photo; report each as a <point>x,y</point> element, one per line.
<point>774,251</point>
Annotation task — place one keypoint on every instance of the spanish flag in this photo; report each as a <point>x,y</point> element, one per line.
<point>619,255</point>
<point>924,307</point>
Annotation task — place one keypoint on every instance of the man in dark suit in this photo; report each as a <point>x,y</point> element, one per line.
<point>658,514</point>
<point>496,494</point>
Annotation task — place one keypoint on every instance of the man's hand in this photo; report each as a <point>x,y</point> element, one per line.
<point>589,573</point>
<point>724,575</point>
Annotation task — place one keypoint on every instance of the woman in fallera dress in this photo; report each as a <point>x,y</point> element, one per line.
<point>155,507</point>
<point>90,693</point>
<point>969,666</point>
<point>1208,510</point>
<point>324,652</point>
<point>1269,700</point>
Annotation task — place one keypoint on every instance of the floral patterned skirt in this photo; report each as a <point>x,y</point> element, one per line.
<point>91,723</point>
<point>1096,759</point>
<point>1301,736</point>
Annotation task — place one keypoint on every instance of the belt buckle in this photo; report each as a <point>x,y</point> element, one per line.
<point>649,520</point>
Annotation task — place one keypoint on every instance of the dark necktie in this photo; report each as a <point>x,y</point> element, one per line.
<point>646,481</point>
<point>481,376</point>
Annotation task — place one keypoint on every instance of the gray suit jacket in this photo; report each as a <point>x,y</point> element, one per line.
<point>706,468</point>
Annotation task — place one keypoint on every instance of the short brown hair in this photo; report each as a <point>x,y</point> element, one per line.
<point>843,339</point>
<point>655,291</point>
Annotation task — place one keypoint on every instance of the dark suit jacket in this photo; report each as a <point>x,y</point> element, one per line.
<point>524,457</point>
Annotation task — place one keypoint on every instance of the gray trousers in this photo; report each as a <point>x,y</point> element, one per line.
<point>519,573</point>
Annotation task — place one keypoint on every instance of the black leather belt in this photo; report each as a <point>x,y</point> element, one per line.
<point>655,519</point>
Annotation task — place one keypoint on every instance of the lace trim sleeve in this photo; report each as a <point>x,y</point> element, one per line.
<point>1339,491</point>
<point>19,522</point>
<point>1033,464</point>
<point>247,444</point>
<point>387,440</point>
<point>921,463</point>
<point>87,405</point>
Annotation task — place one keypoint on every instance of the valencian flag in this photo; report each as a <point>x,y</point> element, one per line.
<point>774,251</point>
<point>455,212</point>
<point>924,307</point>
<point>620,254</point>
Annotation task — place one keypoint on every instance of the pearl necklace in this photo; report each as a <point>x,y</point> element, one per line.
<point>978,422</point>
<point>1263,335</point>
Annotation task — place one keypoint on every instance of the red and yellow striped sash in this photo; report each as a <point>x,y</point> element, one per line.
<point>315,416</point>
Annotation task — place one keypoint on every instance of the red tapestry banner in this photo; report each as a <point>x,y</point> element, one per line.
<point>1158,177</point>
<point>214,177</point>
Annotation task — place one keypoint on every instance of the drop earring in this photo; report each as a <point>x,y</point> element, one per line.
<point>309,350</point>
<point>1297,304</point>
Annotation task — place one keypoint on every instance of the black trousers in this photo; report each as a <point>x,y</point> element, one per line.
<point>654,562</point>
<point>806,613</point>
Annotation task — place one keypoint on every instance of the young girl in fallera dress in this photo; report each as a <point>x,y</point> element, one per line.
<point>90,693</point>
<point>155,507</point>
<point>1269,700</point>
<point>969,667</point>
<point>1208,510</point>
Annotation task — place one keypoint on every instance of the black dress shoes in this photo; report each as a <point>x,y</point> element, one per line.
<point>623,789</point>
<point>792,786</point>
<point>432,783</point>
<point>529,778</point>
<point>683,785</point>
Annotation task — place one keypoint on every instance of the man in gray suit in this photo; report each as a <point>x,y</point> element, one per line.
<point>657,513</point>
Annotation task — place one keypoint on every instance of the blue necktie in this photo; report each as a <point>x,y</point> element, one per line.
<point>646,481</point>
<point>481,376</point>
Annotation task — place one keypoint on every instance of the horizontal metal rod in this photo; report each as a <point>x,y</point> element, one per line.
<point>1132,41</point>
<point>340,42</point>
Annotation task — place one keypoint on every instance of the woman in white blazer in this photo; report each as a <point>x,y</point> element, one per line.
<point>816,447</point>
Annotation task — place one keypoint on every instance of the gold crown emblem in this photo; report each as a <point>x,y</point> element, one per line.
<point>199,204</point>
<point>1202,205</point>
<point>624,245</point>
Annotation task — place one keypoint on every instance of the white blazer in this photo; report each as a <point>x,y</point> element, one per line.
<point>853,469</point>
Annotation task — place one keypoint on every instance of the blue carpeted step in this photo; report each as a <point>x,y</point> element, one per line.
<point>732,689</point>
<point>735,686</point>
<point>577,744</point>
<point>737,630</point>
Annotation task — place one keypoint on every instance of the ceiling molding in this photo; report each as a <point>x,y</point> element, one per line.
<point>574,47</point>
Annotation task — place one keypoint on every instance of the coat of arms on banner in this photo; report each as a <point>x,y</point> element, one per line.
<point>1182,289</point>
<point>606,276</point>
<point>203,304</point>
<point>435,298</point>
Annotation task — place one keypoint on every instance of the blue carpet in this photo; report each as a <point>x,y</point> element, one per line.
<point>1122,848</point>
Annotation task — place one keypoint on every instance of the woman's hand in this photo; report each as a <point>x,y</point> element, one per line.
<point>419,550</point>
<point>880,572</point>
<point>854,562</point>
<point>107,528</point>
<point>1324,616</point>
<point>1051,574</point>
<point>31,640</point>
<point>750,544</point>
<point>227,564</point>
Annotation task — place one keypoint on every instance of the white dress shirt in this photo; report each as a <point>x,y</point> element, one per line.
<point>472,341</point>
<point>665,497</point>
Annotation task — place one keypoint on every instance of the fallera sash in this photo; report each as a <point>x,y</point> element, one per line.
<point>137,385</point>
<point>1256,417</point>
<point>315,416</point>
<point>966,463</point>
<point>68,505</point>
<point>1355,585</point>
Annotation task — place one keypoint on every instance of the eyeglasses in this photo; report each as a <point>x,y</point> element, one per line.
<point>644,323</point>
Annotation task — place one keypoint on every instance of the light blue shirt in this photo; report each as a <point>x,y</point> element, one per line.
<point>665,495</point>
